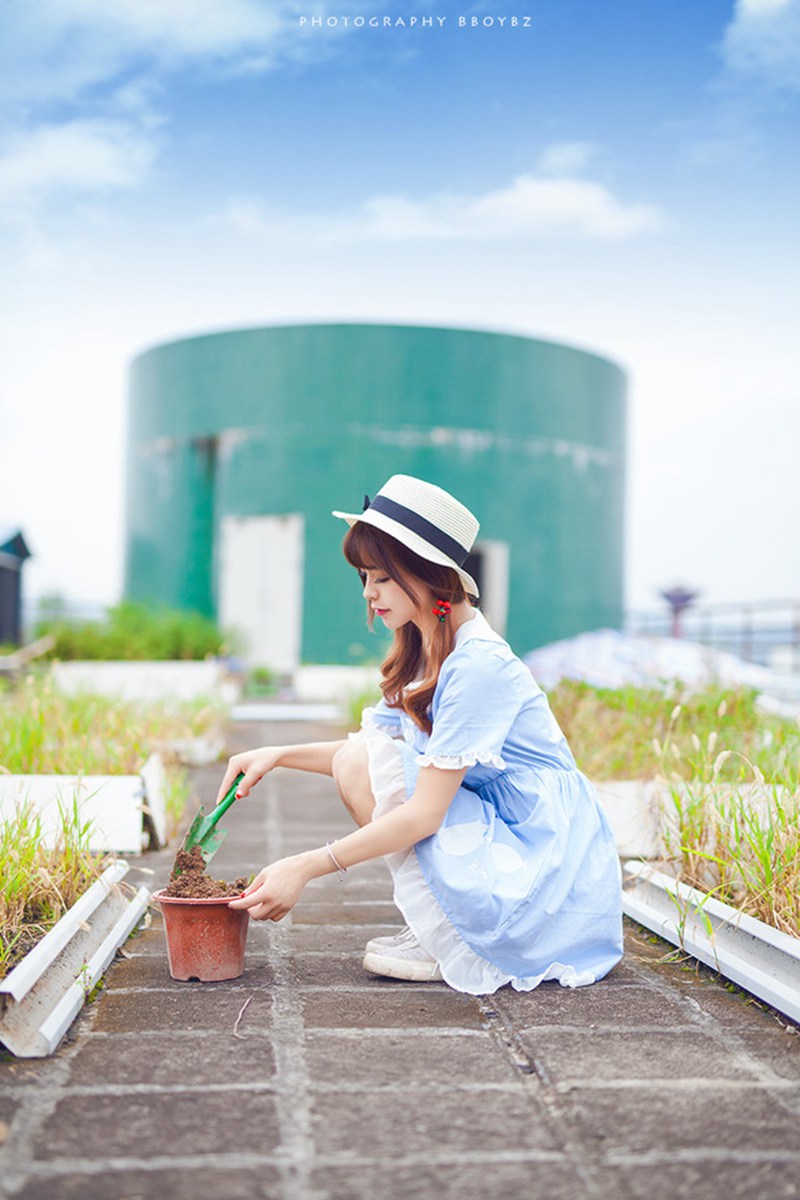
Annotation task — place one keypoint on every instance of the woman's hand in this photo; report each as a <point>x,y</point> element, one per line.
<point>277,888</point>
<point>254,765</point>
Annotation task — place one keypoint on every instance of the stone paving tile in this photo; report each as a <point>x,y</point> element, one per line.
<point>337,939</point>
<point>595,1055</point>
<point>650,1120</point>
<point>398,1008</point>
<point>133,1059</point>
<point>332,890</point>
<point>157,1123</point>
<point>776,1049</point>
<point>8,1109</point>
<point>152,971</point>
<point>386,1060</point>
<point>527,1180</point>
<point>311,834</point>
<point>215,1007</point>
<point>729,1006</point>
<point>366,1125</point>
<point>378,913</point>
<point>601,1004</point>
<point>624,972</point>
<point>150,941</point>
<point>408,1094</point>
<point>711,1179</point>
<point>375,871</point>
<point>23,1072</point>
<point>198,1183</point>
<point>321,970</point>
<point>315,810</point>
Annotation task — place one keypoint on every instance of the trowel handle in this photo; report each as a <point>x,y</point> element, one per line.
<point>226,801</point>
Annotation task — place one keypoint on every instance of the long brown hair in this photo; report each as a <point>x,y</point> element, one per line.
<point>408,658</point>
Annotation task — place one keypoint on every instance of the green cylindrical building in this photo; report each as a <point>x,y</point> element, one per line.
<point>241,443</point>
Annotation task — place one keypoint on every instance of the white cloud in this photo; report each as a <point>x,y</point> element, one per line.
<point>533,205</point>
<point>763,41</point>
<point>566,158</point>
<point>59,49</point>
<point>530,206</point>
<point>95,56</point>
<point>78,156</point>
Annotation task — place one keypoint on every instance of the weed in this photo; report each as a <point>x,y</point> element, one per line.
<point>43,731</point>
<point>176,794</point>
<point>739,843</point>
<point>624,733</point>
<point>38,885</point>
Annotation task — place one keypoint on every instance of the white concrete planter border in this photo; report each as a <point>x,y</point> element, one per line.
<point>637,810</point>
<point>44,993</point>
<point>761,959</point>
<point>127,812</point>
<point>315,684</point>
<point>148,681</point>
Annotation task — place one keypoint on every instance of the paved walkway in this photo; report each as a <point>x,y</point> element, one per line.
<point>658,1082</point>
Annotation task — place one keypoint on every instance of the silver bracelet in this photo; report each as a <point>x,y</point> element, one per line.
<point>340,870</point>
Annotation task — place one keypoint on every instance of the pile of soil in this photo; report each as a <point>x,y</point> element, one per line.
<point>189,879</point>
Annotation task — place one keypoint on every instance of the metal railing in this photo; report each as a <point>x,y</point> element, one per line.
<point>765,631</point>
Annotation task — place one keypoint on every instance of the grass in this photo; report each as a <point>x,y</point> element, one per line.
<point>43,731</point>
<point>645,733</point>
<point>38,885</point>
<point>626,733</point>
<point>740,844</point>
<point>730,776</point>
<point>731,784</point>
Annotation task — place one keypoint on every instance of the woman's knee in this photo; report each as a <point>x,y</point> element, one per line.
<point>350,766</point>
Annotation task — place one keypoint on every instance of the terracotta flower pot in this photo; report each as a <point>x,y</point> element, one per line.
<point>205,938</point>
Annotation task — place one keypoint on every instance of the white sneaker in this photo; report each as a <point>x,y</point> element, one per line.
<point>408,961</point>
<point>390,941</point>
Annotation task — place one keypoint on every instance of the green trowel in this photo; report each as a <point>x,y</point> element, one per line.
<point>203,830</point>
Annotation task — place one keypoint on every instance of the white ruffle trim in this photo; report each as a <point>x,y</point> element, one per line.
<point>461,967</point>
<point>454,762</point>
<point>370,721</point>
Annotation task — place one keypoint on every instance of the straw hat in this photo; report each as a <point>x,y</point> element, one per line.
<point>426,519</point>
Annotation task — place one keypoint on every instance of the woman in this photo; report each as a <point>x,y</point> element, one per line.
<point>504,865</point>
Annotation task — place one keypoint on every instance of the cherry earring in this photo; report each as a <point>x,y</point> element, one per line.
<point>441,609</point>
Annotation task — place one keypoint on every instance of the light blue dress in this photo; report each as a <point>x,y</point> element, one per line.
<point>521,882</point>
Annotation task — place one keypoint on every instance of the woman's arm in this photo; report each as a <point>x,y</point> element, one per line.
<point>404,826</point>
<point>255,764</point>
<point>277,888</point>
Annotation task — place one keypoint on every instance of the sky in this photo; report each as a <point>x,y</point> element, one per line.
<point>618,176</point>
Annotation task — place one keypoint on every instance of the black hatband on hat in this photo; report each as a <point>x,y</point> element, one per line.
<point>419,525</point>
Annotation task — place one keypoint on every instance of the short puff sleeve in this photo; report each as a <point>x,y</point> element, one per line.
<point>476,702</point>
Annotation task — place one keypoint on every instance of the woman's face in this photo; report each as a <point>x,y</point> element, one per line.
<point>387,599</point>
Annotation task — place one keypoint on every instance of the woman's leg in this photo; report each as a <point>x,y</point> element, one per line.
<point>351,776</point>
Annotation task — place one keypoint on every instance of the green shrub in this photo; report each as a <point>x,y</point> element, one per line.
<point>261,681</point>
<point>133,631</point>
